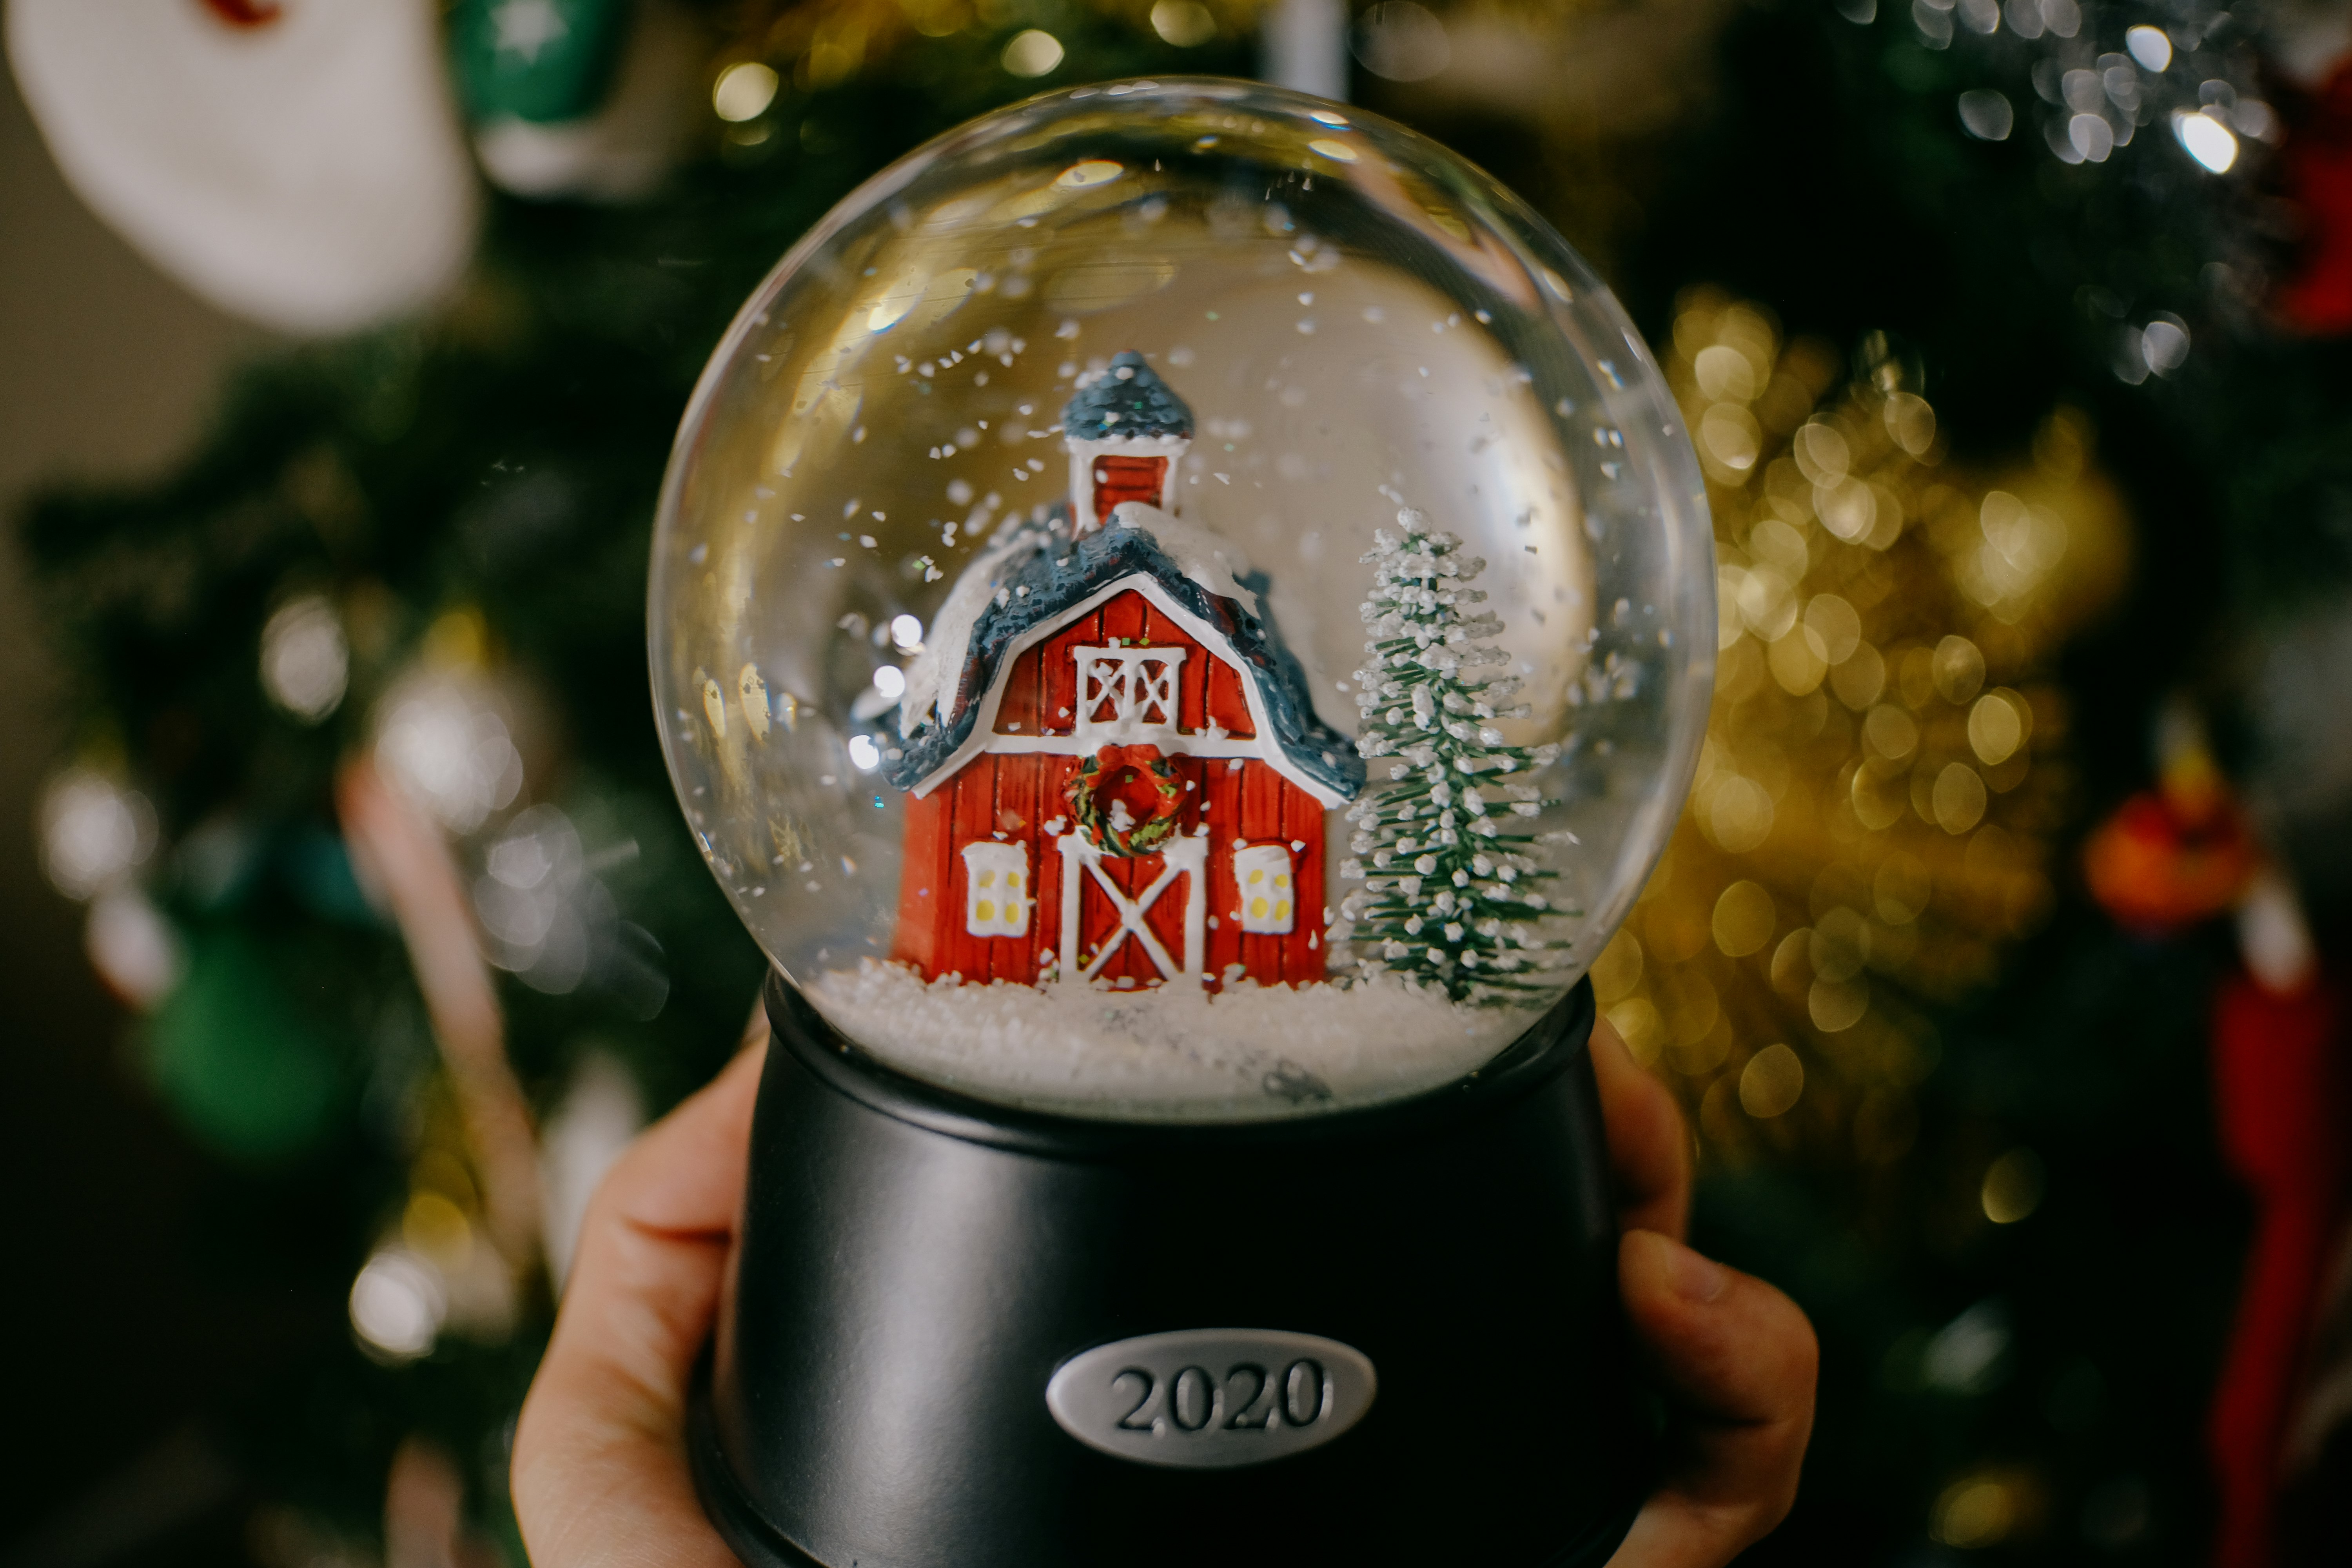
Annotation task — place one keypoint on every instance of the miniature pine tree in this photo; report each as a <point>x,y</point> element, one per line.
<point>1450,898</point>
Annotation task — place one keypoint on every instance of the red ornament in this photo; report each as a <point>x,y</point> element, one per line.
<point>2317,166</point>
<point>2157,867</point>
<point>2280,1097</point>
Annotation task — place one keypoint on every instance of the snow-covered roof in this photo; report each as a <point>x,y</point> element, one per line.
<point>1127,402</point>
<point>1022,589</point>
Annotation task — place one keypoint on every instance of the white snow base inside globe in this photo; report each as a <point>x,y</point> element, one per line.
<point>1250,1052</point>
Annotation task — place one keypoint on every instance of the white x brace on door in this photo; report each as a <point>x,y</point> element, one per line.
<point>1179,856</point>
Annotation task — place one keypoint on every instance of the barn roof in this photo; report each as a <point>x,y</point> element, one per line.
<point>1128,401</point>
<point>1036,586</point>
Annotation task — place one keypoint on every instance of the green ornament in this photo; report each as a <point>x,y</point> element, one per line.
<point>542,60</point>
<point>236,1059</point>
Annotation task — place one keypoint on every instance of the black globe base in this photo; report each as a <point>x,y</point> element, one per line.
<point>959,1335</point>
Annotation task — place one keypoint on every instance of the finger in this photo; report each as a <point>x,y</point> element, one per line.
<point>639,1298</point>
<point>1649,1147</point>
<point>755,1027</point>
<point>600,1470</point>
<point>1739,1360</point>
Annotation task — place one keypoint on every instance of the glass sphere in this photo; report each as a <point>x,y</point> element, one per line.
<point>1182,600</point>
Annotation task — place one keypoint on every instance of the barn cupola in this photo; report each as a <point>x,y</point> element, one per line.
<point>1125,430</point>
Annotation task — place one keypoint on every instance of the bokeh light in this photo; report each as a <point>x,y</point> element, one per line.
<point>2207,140</point>
<point>744,91</point>
<point>442,739</point>
<point>1987,115</point>
<point>1032,53</point>
<point>1401,41</point>
<point>93,832</point>
<point>305,661</point>
<point>2013,1187</point>
<point>1187,24</point>
<point>1871,818</point>
<point>2149,45</point>
<point>133,947</point>
<point>397,1305</point>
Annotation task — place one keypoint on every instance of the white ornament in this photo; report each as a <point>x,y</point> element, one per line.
<point>303,168</point>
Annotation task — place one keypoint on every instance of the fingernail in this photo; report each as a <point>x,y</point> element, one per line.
<point>1695,1278</point>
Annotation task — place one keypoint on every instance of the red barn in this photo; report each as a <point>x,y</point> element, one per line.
<point>1114,774</point>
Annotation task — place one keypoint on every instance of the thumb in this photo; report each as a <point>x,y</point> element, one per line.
<point>600,1474</point>
<point>1738,1360</point>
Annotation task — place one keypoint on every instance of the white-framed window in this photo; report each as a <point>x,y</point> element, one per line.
<point>1265,882</point>
<point>996,888</point>
<point>1128,694</point>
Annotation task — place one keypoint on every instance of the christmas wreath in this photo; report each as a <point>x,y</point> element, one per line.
<point>1124,799</point>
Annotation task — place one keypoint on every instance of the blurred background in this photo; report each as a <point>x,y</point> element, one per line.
<point>348,927</point>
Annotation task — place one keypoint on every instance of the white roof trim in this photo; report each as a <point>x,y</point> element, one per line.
<point>1263,745</point>
<point>1125,446</point>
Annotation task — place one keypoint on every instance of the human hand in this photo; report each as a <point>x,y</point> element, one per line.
<point>1736,1358</point>
<point>600,1472</point>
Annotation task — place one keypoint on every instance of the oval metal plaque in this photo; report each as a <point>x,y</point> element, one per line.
<point>1211,1398</point>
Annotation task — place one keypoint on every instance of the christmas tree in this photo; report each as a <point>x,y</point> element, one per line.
<point>431,614</point>
<point>1941,1093</point>
<point>1449,898</point>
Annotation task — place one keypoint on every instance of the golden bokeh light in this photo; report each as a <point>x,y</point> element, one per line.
<point>1771,1083</point>
<point>744,91</point>
<point>1987,1508</point>
<point>1974,1514</point>
<point>1870,825</point>
<point>2012,1186</point>
<point>1187,24</point>
<point>1743,919</point>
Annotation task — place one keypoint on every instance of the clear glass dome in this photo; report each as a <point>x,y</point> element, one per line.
<point>1181,600</point>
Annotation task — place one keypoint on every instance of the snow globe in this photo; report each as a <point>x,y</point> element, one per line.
<point>1181,616</point>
